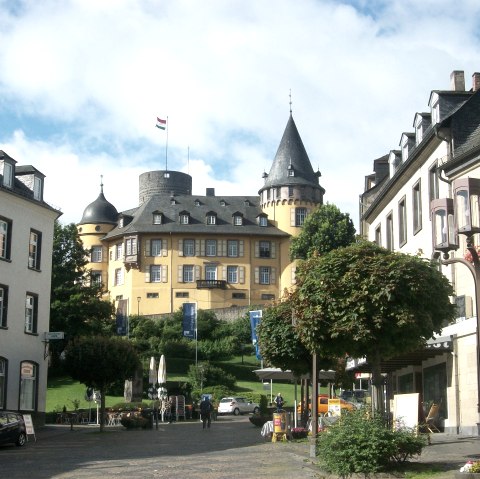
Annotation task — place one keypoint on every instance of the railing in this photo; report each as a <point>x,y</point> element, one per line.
<point>211,284</point>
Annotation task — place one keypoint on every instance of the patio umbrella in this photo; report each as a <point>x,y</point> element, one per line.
<point>152,371</point>
<point>162,379</point>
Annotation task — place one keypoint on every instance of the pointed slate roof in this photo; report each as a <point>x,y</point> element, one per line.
<point>100,211</point>
<point>291,154</point>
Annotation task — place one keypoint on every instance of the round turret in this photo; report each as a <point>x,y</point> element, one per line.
<point>100,211</point>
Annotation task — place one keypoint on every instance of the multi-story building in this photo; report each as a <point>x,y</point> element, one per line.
<point>26,241</point>
<point>218,251</point>
<point>395,213</point>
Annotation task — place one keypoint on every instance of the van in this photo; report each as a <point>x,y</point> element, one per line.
<point>323,405</point>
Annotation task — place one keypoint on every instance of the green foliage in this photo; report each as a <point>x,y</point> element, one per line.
<point>77,307</point>
<point>358,443</point>
<point>364,300</point>
<point>99,361</point>
<point>223,348</point>
<point>218,392</point>
<point>205,374</point>
<point>324,229</point>
<point>279,341</point>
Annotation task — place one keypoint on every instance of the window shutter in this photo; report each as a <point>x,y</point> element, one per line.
<point>180,247</point>
<point>257,249</point>
<point>224,273</point>
<point>273,249</point>
<point>198,272</point>
<point>164,248</point>
<point>257,275</point>
<point>147,275</point>
<point>273,276</point>
<point>292,216</point>
<point>240,248</point>
<point>147,248</point>
<point>180,273</point>
<point>164,274</point>
<point>197,248</point>
<point>202,248</point>
<point>241,274</point>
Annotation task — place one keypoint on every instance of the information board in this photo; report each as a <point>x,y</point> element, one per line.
<point>405,410</point>
<point>29,425</point>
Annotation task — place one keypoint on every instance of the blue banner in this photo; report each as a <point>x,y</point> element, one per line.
<point>255,317</point>
<point>121,318</point>
<point>189,320</point>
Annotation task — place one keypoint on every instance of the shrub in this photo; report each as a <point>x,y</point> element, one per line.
<point>358,443</point>
<point>133,422</point>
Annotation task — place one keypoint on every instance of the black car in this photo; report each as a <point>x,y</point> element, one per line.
<point>12,428</point>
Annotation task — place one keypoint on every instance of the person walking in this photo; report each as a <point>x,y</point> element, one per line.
<point>206,409</point>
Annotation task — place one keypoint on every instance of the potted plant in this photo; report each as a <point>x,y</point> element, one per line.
<point>471,470</point>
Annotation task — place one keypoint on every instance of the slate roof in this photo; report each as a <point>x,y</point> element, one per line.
<point>225,207</point>
<point>291,153</point>
<point>100,211</point>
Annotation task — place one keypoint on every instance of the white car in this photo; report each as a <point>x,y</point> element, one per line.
<point>237,405</point>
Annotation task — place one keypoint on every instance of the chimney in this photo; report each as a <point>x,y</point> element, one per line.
<point>210,192</point>
<point>476,81</point>
<point>457,80</point>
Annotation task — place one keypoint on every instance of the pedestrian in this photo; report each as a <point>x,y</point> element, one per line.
<point>279,402</point>
<point>206,409</point>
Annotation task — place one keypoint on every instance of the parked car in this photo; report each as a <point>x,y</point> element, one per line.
<point>12,428</point>
<point>237,405</point>
<point>323,404</point>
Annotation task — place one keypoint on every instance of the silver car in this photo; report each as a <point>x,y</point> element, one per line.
<point>237,405</point>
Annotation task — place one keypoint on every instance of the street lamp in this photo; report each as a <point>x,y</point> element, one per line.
<point>139,298</point>
<point>460,215</point>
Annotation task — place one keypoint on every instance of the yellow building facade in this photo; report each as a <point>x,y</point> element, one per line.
<point>217,251</point>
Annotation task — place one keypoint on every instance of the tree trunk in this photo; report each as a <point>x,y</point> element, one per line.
<point>378,399</point>
<point>102,409</point>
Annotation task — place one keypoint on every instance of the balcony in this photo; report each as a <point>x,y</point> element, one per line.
<point>211,284</point>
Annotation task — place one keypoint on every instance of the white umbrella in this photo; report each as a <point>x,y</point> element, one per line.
<point>152,371</point>
<point>162,370</point>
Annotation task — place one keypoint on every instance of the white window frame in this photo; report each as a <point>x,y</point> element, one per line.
<point>157,218</point>
<point>232,274</point>
<point>211,272</point>
<point>238,220</point>
<point>97,254</point>
<point>300,216</point>
<point>188,247</point>
<point>211,219</point>
<point>37,188</point>
<point>118,279</point>
<point>119,251</point>
<point>265,274</point>
<point>96,278</point>
<point>5,231</point>
<point>262,221</point>
<point>232,248</point>
<point>7,174</point>
<point>156,247</point>
<point>34,243</point>
<point>31,306</point>
<point>155,273</point>
<point>188,273</point>
<point>131,246</point>
<point>402,222</point>
<point>417,206</point>
<point>184,219</point>
<point>211,247</point>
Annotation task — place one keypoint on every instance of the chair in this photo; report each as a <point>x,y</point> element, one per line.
<point>431,418</point>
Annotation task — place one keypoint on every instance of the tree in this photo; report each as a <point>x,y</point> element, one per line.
<point>77,307</point>
<point>324,229</point>
<point>99,362</point>
<point>364,300</point>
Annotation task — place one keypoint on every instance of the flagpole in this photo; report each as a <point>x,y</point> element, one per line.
<point>166,148</point>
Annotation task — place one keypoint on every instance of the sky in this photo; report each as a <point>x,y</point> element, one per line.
<point>82,83</point>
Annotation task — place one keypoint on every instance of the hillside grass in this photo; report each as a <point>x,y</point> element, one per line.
<point>63,391</point>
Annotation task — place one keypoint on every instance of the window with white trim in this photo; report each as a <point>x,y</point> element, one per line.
<point>417,206</point>
<point>232,274</point>
<point>378,235</point>
<point>265,272</point>
<point>28,386</point>
<point>300,215</point>
<point>184,219</point>
<point>118,277</point>
<point>5,238</point>
<point>389,229</point>
<point>188,273</point>
<point>402,222</point>
<point>34,249</point>
<point>3,305</point>
<point>188,247</point>
<point>262,221</point>
<point>156,247</point>
<point>433,185</point>
<point>37,188</point>
<point>157,218</point>
<point>265,249</point>
<point>7,174</point>
<point>131,246</point>
<point>211,247</point>
<point>96,255</point>
<point>31,313</point>
<point>119,251</point>
<point>238,220</point>
<point>211,272</point>
<point>155,273</point>
<point>211,219</point>
<point>232,248</point>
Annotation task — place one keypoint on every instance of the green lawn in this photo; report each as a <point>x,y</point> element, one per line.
<point>64,391</point>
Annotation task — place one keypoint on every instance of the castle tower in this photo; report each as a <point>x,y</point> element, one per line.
<point>291,190</point>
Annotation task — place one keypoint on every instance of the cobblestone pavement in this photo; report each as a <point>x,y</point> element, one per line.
<point>232,448</point>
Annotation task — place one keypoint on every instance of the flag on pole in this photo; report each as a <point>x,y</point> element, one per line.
<point>162,124</point>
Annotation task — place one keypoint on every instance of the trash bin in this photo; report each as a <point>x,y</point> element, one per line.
<point>280,422</point>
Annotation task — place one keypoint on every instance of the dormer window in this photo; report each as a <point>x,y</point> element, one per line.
<point>121,222</point>
<point>223,203</point>
<point>7,174</point>
<point>173,201</point>
<point>246,203</point>
<point>262,221</point>
<point>406,144</point>
<point>238,220</point>
<point>435,108</point>
<point>197,203</point>
<point>157,218</point>
<point>37,188</point>
<point>184,218</point>
<point>211,218</point>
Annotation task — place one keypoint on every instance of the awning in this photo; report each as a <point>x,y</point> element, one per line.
<point>279,375</point>
<point>434,347</point>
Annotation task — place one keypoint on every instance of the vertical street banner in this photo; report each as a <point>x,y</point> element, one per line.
<point>255,317</point>
<point>189,320</point>
<point>121,318</point>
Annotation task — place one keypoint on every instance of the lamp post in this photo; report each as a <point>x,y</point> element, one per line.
<point>139,298</point>
<point>460,215</point>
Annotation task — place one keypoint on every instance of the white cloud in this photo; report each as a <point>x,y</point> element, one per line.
<point>82,82</point>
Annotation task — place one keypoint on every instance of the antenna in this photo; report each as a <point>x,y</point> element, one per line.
<point>101,183</point>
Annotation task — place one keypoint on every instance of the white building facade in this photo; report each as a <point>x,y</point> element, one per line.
<point>26,242</point>
<point>395,213</point>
